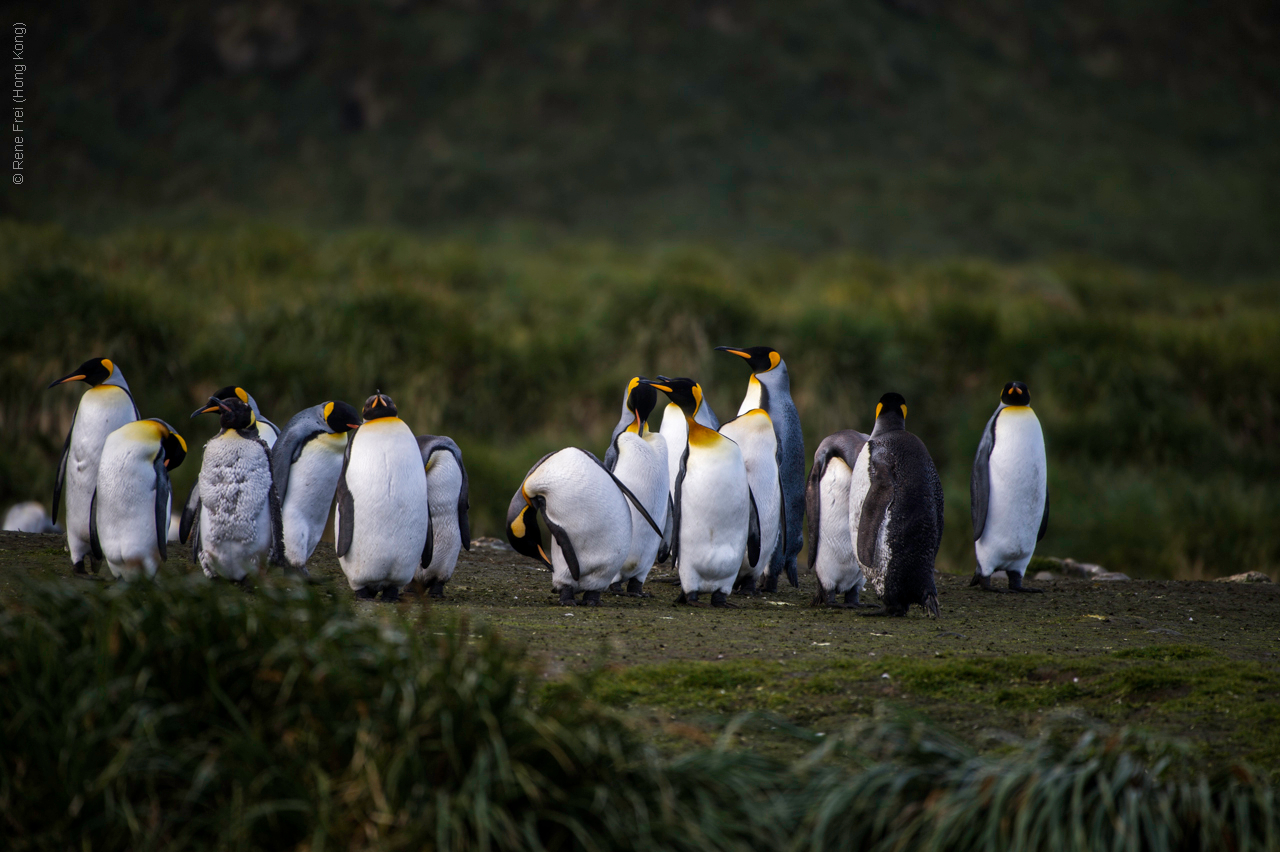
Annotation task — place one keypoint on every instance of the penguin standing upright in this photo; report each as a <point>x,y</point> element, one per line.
<point>1009,490</point>
<point>715,515</point>
<point>450,503</point>
<point>770,388</point>
<point>676,433</point>
<point>129,524</point>
<point>640,463</point>
<point>831,554</point>
<point>305,465</point>
<point>585,507</point>
<point>895,512</point>
<point>236,512</point>
<point>105,407</point>
<point>382,524</point>
<point>267,431</point>
<point>754,435</point>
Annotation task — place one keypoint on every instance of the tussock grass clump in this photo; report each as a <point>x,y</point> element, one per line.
<point>186,715</point>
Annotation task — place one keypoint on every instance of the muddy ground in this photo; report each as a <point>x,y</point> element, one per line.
<point>1197,661</point>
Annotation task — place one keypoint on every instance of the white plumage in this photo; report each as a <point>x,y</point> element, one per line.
<point>312,481</point>
<point>837,566</point>
<point>444,485</point>
<point>126,500</point>
<point>642,467</point>
<point>713,508</point>
<point>1018,489</point>
<point>103,409</point>
<point>753,432</point>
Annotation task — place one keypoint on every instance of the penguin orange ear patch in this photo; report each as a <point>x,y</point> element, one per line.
<point>774,360</point>
<point>904,411</point>
<point>328,409</point>
<point>244,396</point>
<point>879,405</point>
<point>111,368</point>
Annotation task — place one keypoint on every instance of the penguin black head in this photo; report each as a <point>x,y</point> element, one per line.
<point>641,399</point>
<point>94,372</point>
<point>522,526</point>
<point>684,392</point>
<point>761,359</point>
<point>234,413</point>
<point>379,405</point>
<point>175,448</point>
<point>228,393</point>
<point>340,417</point>
<point>891,412</point>
<point>1015,393</point>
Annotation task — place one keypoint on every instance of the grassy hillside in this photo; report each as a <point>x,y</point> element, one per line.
<point>1158,395</point>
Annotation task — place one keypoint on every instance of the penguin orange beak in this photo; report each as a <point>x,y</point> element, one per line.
<point>212,406</point>
<point>733,351</point>
<point>656,386</point>
<point>74,377</point>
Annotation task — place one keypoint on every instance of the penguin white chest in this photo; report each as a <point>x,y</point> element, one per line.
<point>642,467</point>
<point>444,485</point>
<point>312,480</point>
<point>836,566</point>
<point>102,410</point>
<point>1017,492</point>
<point>714,516</point>
<point>126,502</point>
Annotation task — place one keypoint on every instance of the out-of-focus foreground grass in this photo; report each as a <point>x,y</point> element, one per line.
<point>1160,397</point>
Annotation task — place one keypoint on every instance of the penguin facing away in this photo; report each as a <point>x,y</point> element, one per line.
<point>770,388</point>
<point>129,524</point>
<point>305,465</point>
<point>831,551</point>
<point>715,521</point>
<point>449,502</point>
<point>382,523</point>
<point>105,407</point>
<point>896,512</point>
<point>235,512</point>
<point>1009,491</point>
<point>754,435</point>
<point>586,509</point>
<point>640,463</point>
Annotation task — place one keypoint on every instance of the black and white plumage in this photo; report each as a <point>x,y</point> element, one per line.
<point>831,551</point>
<point>305,465</point>
<point>382,523</point>
<point>640,462</point>
<point>233,517</point>
<point>756,440</point>
<point>896,512</point>
<point>266,430</point>
<point>586,509</point>
<point>450,504</point>
<point>129,525</point>
<point>105,407</point>
<point>769,388</point>
<point>1009,490</point>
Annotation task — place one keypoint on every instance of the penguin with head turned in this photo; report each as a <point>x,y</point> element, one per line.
<point>105,407</point>
<point>896,512</point>
<point>1009,490</point>
<point>769,388</point>
<point>676,433</point>
<point>234,511</point>
<point>831,552</point>
<point>450,503</point>
<point>382,524</point>
<point>267,431</point>
<point>129,522</point>
<point>305,465</point>
<point>640,463</point>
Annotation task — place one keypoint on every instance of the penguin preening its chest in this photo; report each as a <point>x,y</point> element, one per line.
<point>586,509</point>
<point>831,546</point>
<point>129,524</point>
<point>450,503</point>
<point>105,407</point>
<point>1009,490</point>
<point>896,512</point>
<point>770,389</point>
<point>715,519</point>
<point>754,435</point>
<point>235,512</point>
<point>640,463</point>
<point>382,524</point>
<point>305,465</point>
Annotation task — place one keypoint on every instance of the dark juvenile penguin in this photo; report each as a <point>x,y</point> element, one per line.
<point>1009,490</point>
<point>895,512</point>
<point>770,388</point>
<point>831,556</point>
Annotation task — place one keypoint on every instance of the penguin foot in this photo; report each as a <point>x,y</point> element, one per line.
<point>770,583</point>
<point>296,571</point>
<point>747,587</point>
<point>616,588</point>
<point>435,589</point>
<point>1015,585</point>
<point>984,582</point>
<point>391,594</point>
<point>566,597</point>
<point>635,589</point>
<point>365,593</point>
<point>590,599</point>
<point>721,599</point>
<point>884,610</point>
<point>690,598</point>
<point>78,571</point>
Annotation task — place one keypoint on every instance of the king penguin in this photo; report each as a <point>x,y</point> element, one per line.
<point>769,388</point>
<point>305,465</point>
<point>831,556</point>
<point>586,509</point>
<point>235,512</point>
<point>895,512</point>
<point>382,525</point>
<point>447,495</point>
<point>640,463</point>
<point>129,524</point>
<point>674,431</point>
<point>105,407</point>
<point>754,435</point>
<point>267,431</point>
<point>1010,490</point>
<point>715,519</point>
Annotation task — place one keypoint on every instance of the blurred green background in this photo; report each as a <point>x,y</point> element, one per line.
<point>499,212</point>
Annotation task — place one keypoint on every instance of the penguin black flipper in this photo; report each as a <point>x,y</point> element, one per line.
<point>874,508</point>
<point>428,444</point>
<point>95,547</point>
<point>675,508</point>
<point>664,548</point>
<point>844,445</point>
<point>345,520</point>
<point>277,514</point>
<point>753,530</point>
<point>780,546</point>
<point>429,546</point>
<point>61,480</point>
<point>635,501</point>
<point>164,493</point>
<point>191,520</point>
<point>566,546</point>
<point>980,482</point>
<point>1044,521</point>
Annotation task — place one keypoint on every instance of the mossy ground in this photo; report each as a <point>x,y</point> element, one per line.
<point>1194,660</point>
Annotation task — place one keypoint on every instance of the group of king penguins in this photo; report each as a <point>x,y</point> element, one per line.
<point>727,503</point>
<point>263,494</point>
